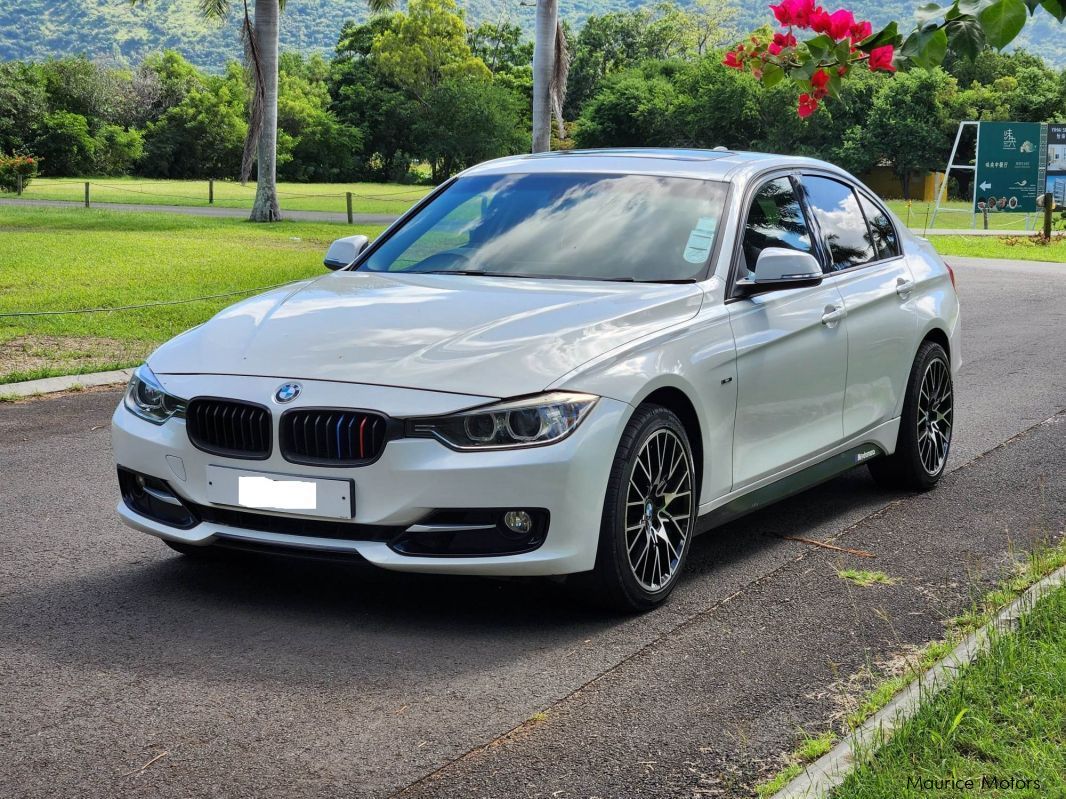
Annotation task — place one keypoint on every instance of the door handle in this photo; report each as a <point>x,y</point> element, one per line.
<point>904,287</point>
<point>833,314</point>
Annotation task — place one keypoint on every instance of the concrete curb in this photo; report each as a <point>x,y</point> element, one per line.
<point>826,773</point>
<point>50,385</point>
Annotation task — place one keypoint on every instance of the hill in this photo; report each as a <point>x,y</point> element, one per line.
<point>112,29</point>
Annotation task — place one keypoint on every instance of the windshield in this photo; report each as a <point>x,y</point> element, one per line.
<point>565,225</point>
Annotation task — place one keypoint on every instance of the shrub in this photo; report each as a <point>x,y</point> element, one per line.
<point>11,166</point>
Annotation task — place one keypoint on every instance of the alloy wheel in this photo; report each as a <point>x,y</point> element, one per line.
<point>659,510</point>
<point>935,415</point>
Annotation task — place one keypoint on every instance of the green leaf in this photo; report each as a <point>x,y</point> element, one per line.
<point>928,12</point>
<point>1057,8</point>
<point>819,45</point>
<point>966,37</point>
<point>887,35</point>
<point>926,48</point>
<point>1032,5</point>
<point>834,85</point>
<point>772,75</point>
<point>973,7</point>
<point>1002,21</point>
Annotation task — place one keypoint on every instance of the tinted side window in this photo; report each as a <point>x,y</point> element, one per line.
<point>843,225</point>
<point>775,219</point>
<point>881,228</point>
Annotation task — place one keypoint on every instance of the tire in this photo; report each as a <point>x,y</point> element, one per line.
<point>925,427</point>
<point>632,532</point>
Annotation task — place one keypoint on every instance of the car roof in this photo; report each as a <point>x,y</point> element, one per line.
<point>717,164</point>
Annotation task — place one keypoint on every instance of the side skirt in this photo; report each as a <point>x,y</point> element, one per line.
<point>788,486</point>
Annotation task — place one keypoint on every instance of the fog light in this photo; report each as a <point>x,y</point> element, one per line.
<point>518,521</point>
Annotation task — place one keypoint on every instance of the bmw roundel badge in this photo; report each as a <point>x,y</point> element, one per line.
<point>287,392</point>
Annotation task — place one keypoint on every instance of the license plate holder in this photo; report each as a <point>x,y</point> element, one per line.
<point>300,495</point>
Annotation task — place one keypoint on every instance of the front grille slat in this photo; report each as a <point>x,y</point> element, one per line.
<point>332,436</point>
<point>231,428</point>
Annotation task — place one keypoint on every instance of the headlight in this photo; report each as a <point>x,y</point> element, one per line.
<point>147,398</point>
<point>529,422</point>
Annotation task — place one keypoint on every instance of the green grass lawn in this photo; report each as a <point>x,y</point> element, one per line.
<point>954,214</point>
<point>59,259</point>
<point>1002,724</point>
<point>1010,248</point>
<point>368,198</point>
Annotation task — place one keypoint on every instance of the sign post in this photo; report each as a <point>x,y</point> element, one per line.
<point>1011,166</point>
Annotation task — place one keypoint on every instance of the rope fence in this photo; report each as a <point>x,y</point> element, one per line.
<point>346,202</point>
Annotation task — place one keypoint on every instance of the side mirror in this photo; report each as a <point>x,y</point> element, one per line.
<point>782,268</point>
<point>342,252</point>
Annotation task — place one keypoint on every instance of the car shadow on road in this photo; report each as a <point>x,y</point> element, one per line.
<point>284,618</point>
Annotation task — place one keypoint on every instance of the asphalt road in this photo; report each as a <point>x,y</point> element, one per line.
<point>281,679</point>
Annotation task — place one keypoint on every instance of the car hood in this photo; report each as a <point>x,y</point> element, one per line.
<point>464,334</point>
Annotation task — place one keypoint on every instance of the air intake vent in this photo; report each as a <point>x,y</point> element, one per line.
<point>331,436</point>
<point>228,427</point>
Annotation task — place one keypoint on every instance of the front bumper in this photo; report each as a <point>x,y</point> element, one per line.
<point>412,479</point>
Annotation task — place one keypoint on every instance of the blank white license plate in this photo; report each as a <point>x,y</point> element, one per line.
<point>306,496</point>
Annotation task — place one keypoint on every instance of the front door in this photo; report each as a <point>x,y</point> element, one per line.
<point>878,292</point>
<point>792,350</point>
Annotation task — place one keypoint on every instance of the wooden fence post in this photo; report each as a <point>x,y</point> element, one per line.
<point>348,197</point>
<point>86,194</point>
<point>211,191</point>
<point>18,183</point>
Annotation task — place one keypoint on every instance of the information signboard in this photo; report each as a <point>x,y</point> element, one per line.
<point>1011,166</point>
<point>1056,163</point>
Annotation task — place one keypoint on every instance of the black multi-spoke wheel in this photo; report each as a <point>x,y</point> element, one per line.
<point>658,509</point>
<point>926,425</point>
<point>934,416</point>
<point>648,515</point>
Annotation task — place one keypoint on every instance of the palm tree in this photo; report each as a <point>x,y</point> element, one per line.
<point>551,65</point>
<point>260,37</point>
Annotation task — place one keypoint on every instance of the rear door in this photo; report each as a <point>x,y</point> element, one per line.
<point>878,292</point>
<point>791,353</point>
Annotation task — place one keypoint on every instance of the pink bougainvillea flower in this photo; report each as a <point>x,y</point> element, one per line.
<point>773,48</point>
<point>807,105</point>
<point>785,39</point>
<point>794,12</point>
<point>881,58</point>
<point>819,81</point>
<point>731,60</point>
<point>861,30</point>
<point>820,21</point>
<point>840,24</point>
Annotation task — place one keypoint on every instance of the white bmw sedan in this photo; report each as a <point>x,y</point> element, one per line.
<point>563,364</point>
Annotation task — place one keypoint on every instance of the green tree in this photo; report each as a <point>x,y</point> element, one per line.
<point>201,137</point>
<point>23,104</point>
<point>465,120</point>
<point>908,124</point>
<point>425,46</point>
<point>637,107</point>
<point>117,150</point>
<point>64,145</point>
<point>318,147</point>
<point>363,99</point>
